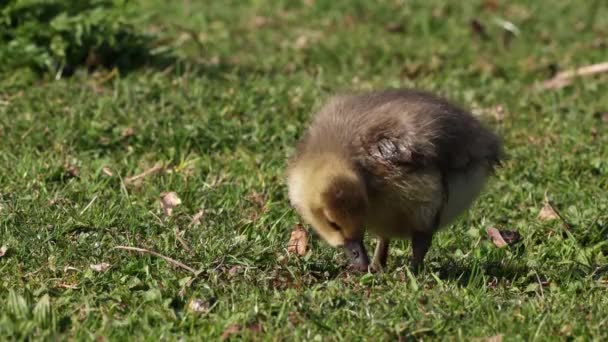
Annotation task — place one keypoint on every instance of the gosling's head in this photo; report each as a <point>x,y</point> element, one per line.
<point>331,196</point>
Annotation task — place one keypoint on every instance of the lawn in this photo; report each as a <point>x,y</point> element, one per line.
<point>215,125</point>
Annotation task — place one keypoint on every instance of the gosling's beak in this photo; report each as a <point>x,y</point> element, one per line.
<point>356,251</point>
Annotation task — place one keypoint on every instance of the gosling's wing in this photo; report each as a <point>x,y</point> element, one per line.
<point>387,150</point>
<point>409,130</point>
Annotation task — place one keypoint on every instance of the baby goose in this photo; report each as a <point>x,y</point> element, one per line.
<point>399,163</point>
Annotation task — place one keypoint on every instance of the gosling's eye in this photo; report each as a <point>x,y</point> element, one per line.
<point>333,224</point>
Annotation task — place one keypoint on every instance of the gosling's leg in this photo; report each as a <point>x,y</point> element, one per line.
<point>380,254</point>
<point>421,242</point>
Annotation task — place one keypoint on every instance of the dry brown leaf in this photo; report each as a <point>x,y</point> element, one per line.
<point>495,338</point>
<point>498,112</point>
<point>547,213</point>
<point>494,235</point>
<point>395,27</point>
<point>70,170</point>
<point>257,198</point>
<point>259,21</point>
<point>566,330</point>
<point>294,318</point>
<point>298,241</point>
<point>301,42</point>
<point>490,5</point>
<point>255,327</point>
<point>3,250</point>
<point>107,171</point>
<point>169,200</point>
<point>231,330</point>
<point>234,270</point>
<point>502,238</point>
<point>128,132</point>
<point>196,219</point>
<point>104,266</point>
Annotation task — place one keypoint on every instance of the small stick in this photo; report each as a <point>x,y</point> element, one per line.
<point>540,285</point>
<point>181,240</point>
<point>564,78</point>
<point>172,261</point>
<point>155,169</point>
<point>88,205</point>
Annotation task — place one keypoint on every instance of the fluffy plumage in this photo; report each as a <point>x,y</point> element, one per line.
<point>399,163</point>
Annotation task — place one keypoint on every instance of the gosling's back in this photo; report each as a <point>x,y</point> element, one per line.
<point>423,158</point>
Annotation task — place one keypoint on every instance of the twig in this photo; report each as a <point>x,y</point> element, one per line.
<point>155,169</point>
<point>540,285</point>
<point>181,240</point>
<point>564,78</point>
<point>88,205</point>
<point>160,221</point>
<point>172,261</point>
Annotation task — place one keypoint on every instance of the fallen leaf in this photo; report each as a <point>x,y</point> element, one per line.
<point>498,112</point>
<point>395,27</point>
<point>259,21</point>
<point>495,338</point>
<point>301,42</point>
<point>234,270</point>
<point>257,199</point>
<point>255,327</point>
<point>294,318</point>
<point>547,213</point>
<point>169,200</point>
<point>231,330</point>
<point>298,241</point>
<point>70,171</point>
<point>3,250</point>
<point>496,238</point>
<point>199,305</point>
<point>349,21</point>
<point>502,238</point>
<point>566,330</point>
<point>490,5</point>
<point>128,132</point>
<point>106,171</point>
<point>196,219</point>
<point>100,267</point>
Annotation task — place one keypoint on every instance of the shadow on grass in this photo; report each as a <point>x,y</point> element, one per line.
<point>467,274</point>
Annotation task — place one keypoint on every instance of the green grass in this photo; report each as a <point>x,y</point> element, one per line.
<point>224,116</point>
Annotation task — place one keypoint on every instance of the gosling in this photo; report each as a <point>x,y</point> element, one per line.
<point>400,163</point>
